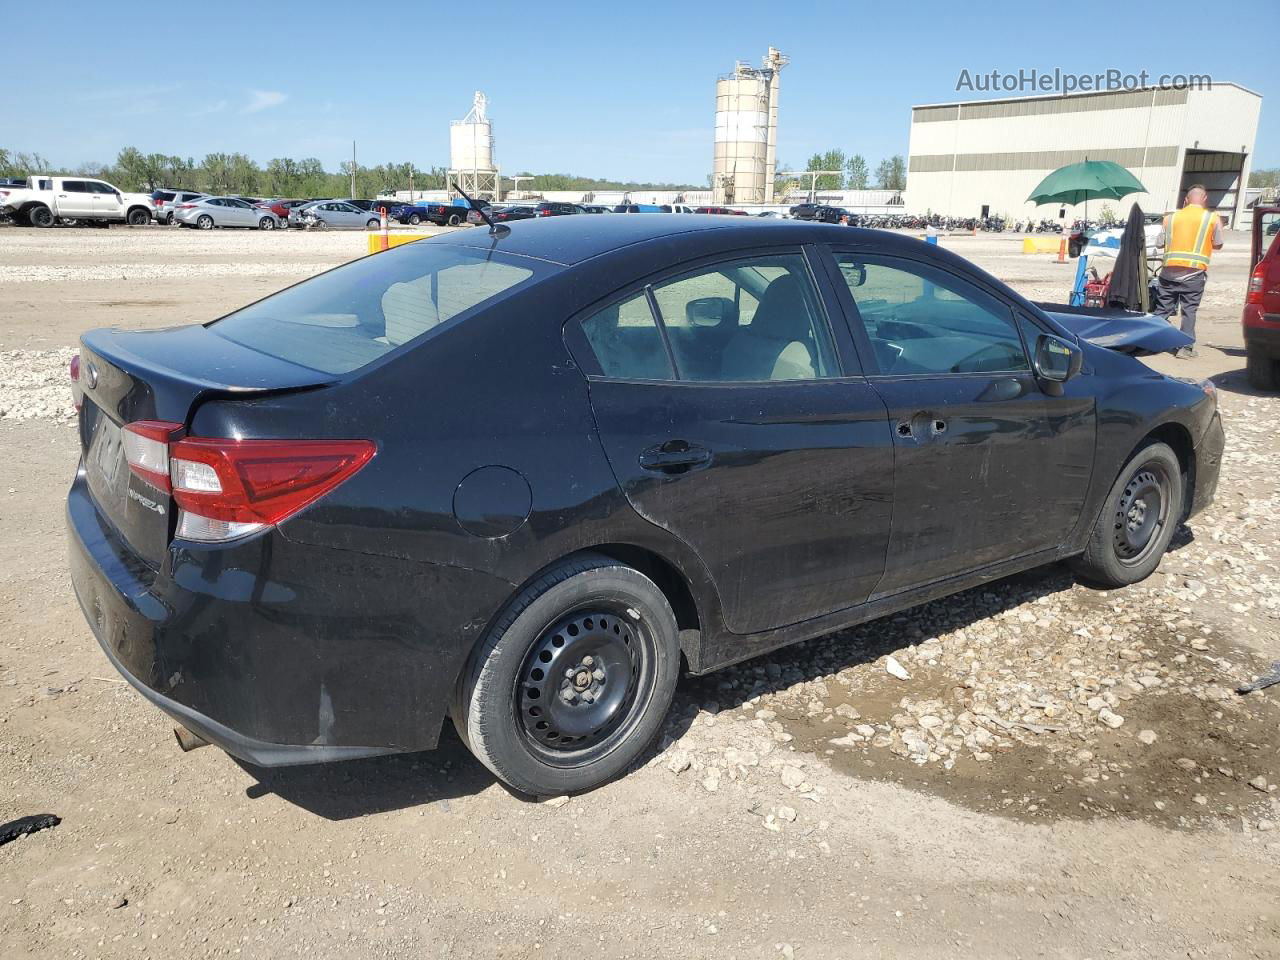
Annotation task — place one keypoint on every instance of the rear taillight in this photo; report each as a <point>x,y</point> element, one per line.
<point>146,448</point>
<point>77,395</point>
<point>1256,283</point>
<point>231,488</point>
<point>183,206</point>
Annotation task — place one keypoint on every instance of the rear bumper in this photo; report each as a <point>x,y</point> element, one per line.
<point>282,653</point>
<point>1208,465</point>
<point>1262,329</point>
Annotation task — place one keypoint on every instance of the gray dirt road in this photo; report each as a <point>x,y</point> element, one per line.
<point>804,805</point>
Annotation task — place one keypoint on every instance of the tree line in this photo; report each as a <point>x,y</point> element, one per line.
<point>855,174</point>
<point>236,173</point>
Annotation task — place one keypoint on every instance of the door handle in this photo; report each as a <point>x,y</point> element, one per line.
<point>675,456</point>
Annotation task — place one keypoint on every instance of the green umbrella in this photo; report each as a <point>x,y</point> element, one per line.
<point>1090,180</point>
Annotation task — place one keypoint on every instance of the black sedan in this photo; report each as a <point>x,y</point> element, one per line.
<point>523,478</point>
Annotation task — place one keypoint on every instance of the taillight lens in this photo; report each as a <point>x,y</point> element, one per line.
<point>231,488</point>
<point>184,206</point>
<point>77,395</point>
<point>1256,283</point>
<point>146,448</point>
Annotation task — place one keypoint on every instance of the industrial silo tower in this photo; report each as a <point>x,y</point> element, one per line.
<point>746,142</point>
<point>471,164</point>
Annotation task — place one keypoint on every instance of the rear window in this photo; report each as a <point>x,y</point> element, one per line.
<point>349,317</point>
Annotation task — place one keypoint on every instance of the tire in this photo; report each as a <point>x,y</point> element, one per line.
<point>168,219</point>
<point>137,217</point>
<point>414,220</point>
<point>1263,370</point>
<point>374,224</point>
<point>1137,521</point>
<point>204,222</point>
<point>545,666</point>
<point>40,216</point>
<point>266,223</point>
<point>454,220</point>
<point>321,224</point>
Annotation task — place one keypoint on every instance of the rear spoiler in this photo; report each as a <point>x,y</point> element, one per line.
<point>1124,331</point>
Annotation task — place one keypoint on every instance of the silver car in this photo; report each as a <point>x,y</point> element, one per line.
<point>209,212</point>
<point>333,215</point>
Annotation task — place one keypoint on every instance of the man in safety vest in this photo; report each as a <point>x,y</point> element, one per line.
<point>1190,237</point>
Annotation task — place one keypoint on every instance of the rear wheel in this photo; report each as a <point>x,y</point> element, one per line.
<point>572,683</point>
<point>1262,369</point>
<point>373,224</point>
<point>266,223</point>
<point>204,222</point>
<point>137,217</point>
<point>454,220</point>
<point>1138,520</point>
<point>40,216</point>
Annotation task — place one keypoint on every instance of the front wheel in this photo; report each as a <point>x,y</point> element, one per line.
<point>266,223</point>
<point>572,683</point>
<point>414,220</point>
<point>373,224</point>
<point>1262,369</point>
<point>204,222</point>
<point>1138,519</point>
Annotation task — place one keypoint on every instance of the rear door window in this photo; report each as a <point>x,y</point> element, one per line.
<point>626,341</point>
<point>347,318</point>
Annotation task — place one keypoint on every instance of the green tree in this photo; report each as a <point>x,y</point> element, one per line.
<point>856,172</point>
<point>891,174</point>
<point>1266,179</point>
<point>830,160</point>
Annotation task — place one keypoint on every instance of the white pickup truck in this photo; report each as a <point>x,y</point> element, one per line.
<point>45,200</point>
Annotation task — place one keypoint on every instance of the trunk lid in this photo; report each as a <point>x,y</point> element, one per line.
<point>159,375</point>
<point>1137,334</point>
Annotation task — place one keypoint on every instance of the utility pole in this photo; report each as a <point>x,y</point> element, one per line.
<point>411,183</point>
<point>353,169</point>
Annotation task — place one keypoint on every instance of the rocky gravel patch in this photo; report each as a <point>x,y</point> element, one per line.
<point>34,384</point>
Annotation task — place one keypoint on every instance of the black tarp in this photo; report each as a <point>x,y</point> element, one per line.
<point>1129,277</point>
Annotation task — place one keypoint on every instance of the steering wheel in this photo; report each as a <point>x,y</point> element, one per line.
<point>996,351</point>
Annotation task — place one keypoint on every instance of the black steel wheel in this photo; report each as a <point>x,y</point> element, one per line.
<point>1141,513</point>
<point>40,216</point>
<point>1138,519</point>
<point>572,682</point>
<point>577,687</point>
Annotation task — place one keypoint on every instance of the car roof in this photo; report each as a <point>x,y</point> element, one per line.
<point>568,240</point>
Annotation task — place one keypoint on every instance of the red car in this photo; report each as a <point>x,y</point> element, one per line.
<point>1261,317</point>
<point>721,210</point>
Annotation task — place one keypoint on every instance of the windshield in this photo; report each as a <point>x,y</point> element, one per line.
<point>347,318</point>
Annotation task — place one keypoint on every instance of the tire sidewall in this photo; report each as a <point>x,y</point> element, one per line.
<point>491,728</point>
<point>205,222</point>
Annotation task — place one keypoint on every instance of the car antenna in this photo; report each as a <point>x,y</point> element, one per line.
<point>494,229</point>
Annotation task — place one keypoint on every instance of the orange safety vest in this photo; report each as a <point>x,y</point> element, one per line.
<point>1188,237</point>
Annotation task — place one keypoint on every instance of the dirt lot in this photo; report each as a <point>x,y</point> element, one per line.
<point>1065,773</point>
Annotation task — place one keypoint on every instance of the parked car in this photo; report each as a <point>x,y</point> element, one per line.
<point>675,208</point>
<point>597,208</point>
<point>826,214</point>
<point>721,211</point>
<point>441,214</point>
<point>205,213</point>
<point>1261,318</point>
<point>804,211</point>
<point>46,199</point>
<point>374,206</point>
<point>281,208</point>
<point>165,199</point>
<point>333,215</point>
<point>638,208</point>
<point>506,477</point>
<point>535,210</point>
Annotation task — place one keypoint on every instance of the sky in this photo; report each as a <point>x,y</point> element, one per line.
<point>616,90</point>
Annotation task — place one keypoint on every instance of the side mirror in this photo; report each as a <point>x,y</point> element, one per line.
<point>710,311</point>
<point>855,274</point>
<point>1056,362</point>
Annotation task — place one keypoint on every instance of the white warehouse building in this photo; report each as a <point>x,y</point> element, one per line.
<point>984,157</point>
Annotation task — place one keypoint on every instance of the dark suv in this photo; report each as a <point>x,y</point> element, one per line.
<point>546,208</point>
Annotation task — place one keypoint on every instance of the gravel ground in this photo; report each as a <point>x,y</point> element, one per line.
<point>1030,768</point>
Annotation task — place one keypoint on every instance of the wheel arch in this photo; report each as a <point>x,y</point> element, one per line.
<point>138,206</point>
<point>1178,438</point>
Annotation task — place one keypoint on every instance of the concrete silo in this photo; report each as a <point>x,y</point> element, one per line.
<point>471,164</point>
<point>746,137</point>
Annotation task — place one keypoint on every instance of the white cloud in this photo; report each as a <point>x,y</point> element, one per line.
<point>264,100</point>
